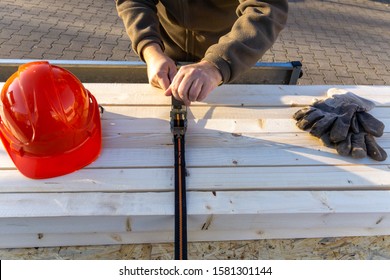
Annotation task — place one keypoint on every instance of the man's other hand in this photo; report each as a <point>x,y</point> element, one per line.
<point>193,82</point>
<point>161,69</point>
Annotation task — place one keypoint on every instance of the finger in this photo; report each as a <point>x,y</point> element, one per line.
<point>344,147</point>
<point>168,92</point>
<point>206,89</point>
<point>164,82</point>
<point>302,113</point>
<point>154,82</point>
<point>354,124</point>
<point>160,80</point>
<point>184,88</point>
<point>195,90</point>
<point>309,119</point>
<point>340,129</point>
<point>323,125</point>
<point>370,124</point>
<point>175,86</point>
<point>359,149</point>
<point>172,73</point>
<point>326,141</point>
<point>375,151</point>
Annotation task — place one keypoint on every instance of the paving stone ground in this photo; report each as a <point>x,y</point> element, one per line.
<point>338,41</point>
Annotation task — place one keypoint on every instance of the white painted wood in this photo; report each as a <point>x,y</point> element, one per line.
<point>126,218</point>
<point>262,154</point>
<point>252,174</point>
<point>238,95</point>
<point>83,239</point>
<point>213,112</point>
<point>344,177</point>
<point>199,203</point>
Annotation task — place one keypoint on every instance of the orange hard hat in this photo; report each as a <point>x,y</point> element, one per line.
<point>49,122</point>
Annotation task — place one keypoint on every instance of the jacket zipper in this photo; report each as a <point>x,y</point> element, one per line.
<point>188,40</point>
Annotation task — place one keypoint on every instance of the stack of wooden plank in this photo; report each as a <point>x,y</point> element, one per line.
<point>252,174</point>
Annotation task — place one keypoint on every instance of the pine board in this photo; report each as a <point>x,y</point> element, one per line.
<point>252,174</point>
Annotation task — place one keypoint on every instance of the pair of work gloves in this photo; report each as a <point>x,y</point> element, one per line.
<point>342,121</point>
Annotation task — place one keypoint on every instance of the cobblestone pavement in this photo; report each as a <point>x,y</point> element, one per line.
<point>338,41</point>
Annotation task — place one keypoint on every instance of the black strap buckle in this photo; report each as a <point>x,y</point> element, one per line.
<point>178,118</point>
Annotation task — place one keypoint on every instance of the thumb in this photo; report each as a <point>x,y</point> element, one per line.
<point>168,92</point>
<point>164,82</point>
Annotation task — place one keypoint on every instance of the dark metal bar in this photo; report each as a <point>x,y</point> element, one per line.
<point>89,71</point>
<point>296,73</point>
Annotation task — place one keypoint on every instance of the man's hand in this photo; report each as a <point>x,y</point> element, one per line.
<point>194,82</point>
<point>161,69</point>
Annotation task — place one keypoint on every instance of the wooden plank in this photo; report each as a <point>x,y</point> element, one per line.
<point>217,139</point>
<point>213,112</point>
<point>255,156</point>
<point>233,95</point>
<point>212,216</point>
<point>84,239</point>
<point>243,133</point>
<point>136,146</point>
<point>202,204</point>
<point>116,127</point>
<point>252,174</point>
<point>348,177</point>
<point>249,152</point>
<point>199,203</point>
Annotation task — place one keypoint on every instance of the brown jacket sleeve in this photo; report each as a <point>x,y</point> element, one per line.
<point>141,22</point>
<point>254,32</point>
<point>231,40</point>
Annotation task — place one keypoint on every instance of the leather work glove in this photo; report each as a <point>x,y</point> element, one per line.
<point>342,122</point>
<point>359,145</point>
<point>320,121</point>
<point>370,124</point>
<point>335,114</point>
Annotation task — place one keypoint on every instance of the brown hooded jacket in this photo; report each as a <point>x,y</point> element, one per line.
<point>233,35</point>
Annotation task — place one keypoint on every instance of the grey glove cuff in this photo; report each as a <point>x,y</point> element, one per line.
<point>338,96</point>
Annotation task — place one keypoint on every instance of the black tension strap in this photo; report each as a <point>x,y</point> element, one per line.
<point>178,129</point>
